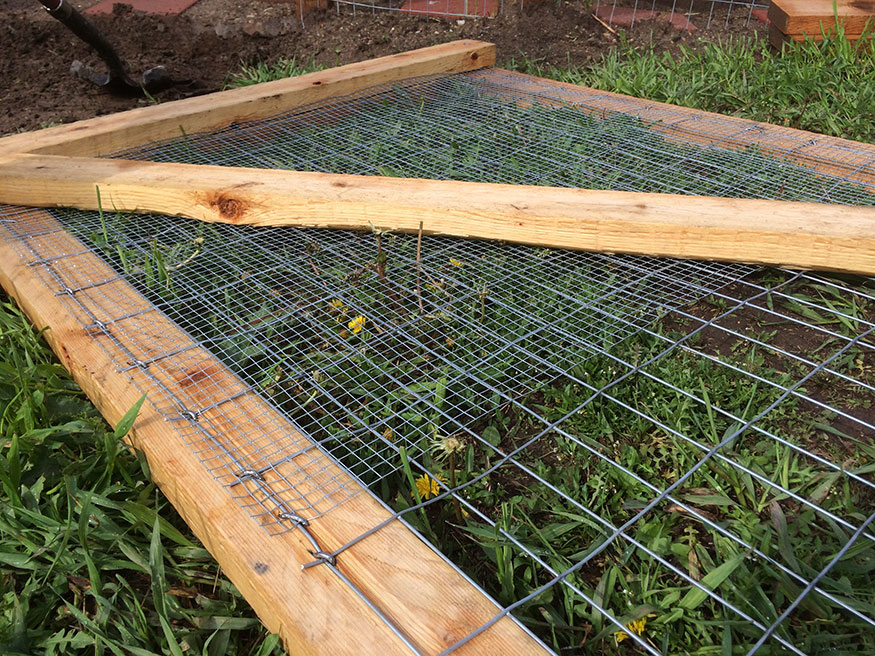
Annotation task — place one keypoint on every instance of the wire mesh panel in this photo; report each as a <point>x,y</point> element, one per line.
<point>630,454</point>
<point>458,9</point>
<point>683,14</point>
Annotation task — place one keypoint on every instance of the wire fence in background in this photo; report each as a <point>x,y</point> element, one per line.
<point>683,14</point>
<point>631,454</point>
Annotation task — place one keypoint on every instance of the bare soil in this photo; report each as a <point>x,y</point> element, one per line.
<point>207,43</point>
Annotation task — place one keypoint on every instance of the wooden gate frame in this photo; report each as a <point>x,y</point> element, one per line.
<point>418,591</point>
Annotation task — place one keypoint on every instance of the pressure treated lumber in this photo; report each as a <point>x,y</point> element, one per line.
<point>800,18</point>
<point>313,610</point>
<point>796,235</point>
<point>107,134</point>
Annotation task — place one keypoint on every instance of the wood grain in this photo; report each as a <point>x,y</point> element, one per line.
<point>313,610</point>
<point>796,235</point>
<point>798,18</point>
<point>107,134</point>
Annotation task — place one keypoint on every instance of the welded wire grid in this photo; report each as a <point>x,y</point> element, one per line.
<point>501,126</point>
<point>681,450</point>
<point>448,9</point>
<point>701,13</point>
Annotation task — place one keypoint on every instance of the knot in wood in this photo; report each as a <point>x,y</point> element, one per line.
<point>229,208</point>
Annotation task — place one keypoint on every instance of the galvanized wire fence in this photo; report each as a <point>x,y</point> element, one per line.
<point>626,13</point>
<point>630,454</point>
<point>683,14</point>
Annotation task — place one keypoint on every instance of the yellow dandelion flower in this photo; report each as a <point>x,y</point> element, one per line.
<point>357,324</point>
<point>454,262</point>
<point>635,626</point>
<point>337,306</point>
<point>427,486</point>
<point>451,341</point>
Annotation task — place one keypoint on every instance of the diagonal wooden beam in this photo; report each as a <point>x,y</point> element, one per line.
<point>107,134</point>
<point>796,235</point>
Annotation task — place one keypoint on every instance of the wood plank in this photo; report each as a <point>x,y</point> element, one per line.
<point>777,38</point>
<point>833,156</point>
<point>107,134</point>
<point>313,610</point>
<point>800,17</point>
<point>797,235</point>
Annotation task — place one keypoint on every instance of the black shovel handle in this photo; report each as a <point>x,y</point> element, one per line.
<point>79,25</point>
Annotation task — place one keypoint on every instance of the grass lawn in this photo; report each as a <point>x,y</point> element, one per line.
<point>93,559</point>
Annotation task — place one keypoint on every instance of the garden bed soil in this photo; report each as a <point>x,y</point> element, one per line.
<point>210,41</point>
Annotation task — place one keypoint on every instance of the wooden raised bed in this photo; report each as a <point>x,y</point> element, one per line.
<point>415,592</point>
<point>796,20</point>
<point>313,610</point>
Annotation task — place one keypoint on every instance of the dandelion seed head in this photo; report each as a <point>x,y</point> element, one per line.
<point>448,445</point>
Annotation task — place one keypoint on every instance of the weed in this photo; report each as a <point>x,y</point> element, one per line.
<point>822,87</point>
<point>92,558</point>
<point>266,72</point>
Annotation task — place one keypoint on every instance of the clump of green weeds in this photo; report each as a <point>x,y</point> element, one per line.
<point>823,86</point>
<point>92,558</point>
<point>266,72</point>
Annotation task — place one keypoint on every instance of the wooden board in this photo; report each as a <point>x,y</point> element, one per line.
<point>313,610</point>
<point>797,18</point>
<point>777,38</point>
<point>107,134</point>
<point>796,235</point>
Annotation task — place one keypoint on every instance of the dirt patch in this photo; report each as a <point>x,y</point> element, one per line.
<point>211,40</point>
<point>832,416</point>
